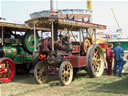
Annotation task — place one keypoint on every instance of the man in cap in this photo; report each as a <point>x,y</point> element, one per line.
<point>118,59</point>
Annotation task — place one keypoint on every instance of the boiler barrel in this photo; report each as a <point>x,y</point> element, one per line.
<point>8,51</point>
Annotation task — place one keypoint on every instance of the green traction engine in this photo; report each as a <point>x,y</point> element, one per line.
<point>16,47</point>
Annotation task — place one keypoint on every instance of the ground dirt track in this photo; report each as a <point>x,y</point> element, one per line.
<point>24,85</point>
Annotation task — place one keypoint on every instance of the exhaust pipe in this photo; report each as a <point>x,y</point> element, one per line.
<point>53,7</point>
<point>53,4</point>
<point>89,4</point>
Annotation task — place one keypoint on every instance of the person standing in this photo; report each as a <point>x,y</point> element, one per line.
<point>118,59</point>
<point>109,58</point>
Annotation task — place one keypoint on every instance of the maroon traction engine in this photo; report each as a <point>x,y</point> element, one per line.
<point>66,57</point>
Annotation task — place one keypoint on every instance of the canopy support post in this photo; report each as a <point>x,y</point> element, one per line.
<point>73,36</point>
<point>41,34</point>
<point>34,36</point>
<point>94,30</point>
<point>52,36</point>
<point>87,32</point>
<point>2,35</point>
<point>80,36</point>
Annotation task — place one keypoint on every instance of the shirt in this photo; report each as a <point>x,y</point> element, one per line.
<point>109,55</point>
<point>118,52</point>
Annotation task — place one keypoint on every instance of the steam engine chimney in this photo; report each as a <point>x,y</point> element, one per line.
<point>89,4</point>
<point>53,7</point>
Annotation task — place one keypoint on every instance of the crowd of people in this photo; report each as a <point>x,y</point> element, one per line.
<point>118,55</point>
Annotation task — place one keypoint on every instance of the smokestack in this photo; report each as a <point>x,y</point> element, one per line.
<point>53,7</point>
<point>89,4</point>
<point>89,7</point>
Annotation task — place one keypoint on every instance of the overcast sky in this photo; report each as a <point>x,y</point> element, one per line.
<point>19,10</point>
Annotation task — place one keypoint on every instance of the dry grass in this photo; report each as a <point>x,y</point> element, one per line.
<point>24,85</point>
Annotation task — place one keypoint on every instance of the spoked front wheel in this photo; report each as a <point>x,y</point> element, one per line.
<point>7,70</point>
<point>41,72</point>
<point>65,73</point>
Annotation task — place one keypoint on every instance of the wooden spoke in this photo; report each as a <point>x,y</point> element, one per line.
<point>98,60</point>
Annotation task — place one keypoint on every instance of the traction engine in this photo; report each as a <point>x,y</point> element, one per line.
<point>67,59</point>
<point>16,47</point>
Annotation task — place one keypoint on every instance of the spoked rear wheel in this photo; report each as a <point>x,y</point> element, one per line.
<point>41,72</point>
<point>95,61</point>
<point>7,70</point>
<point>65,73</point>
<point>87,44</point>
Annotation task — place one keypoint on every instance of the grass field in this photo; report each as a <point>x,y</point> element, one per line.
<point>82,85</point>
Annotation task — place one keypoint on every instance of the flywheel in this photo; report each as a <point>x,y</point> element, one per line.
<point>29,41</point>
